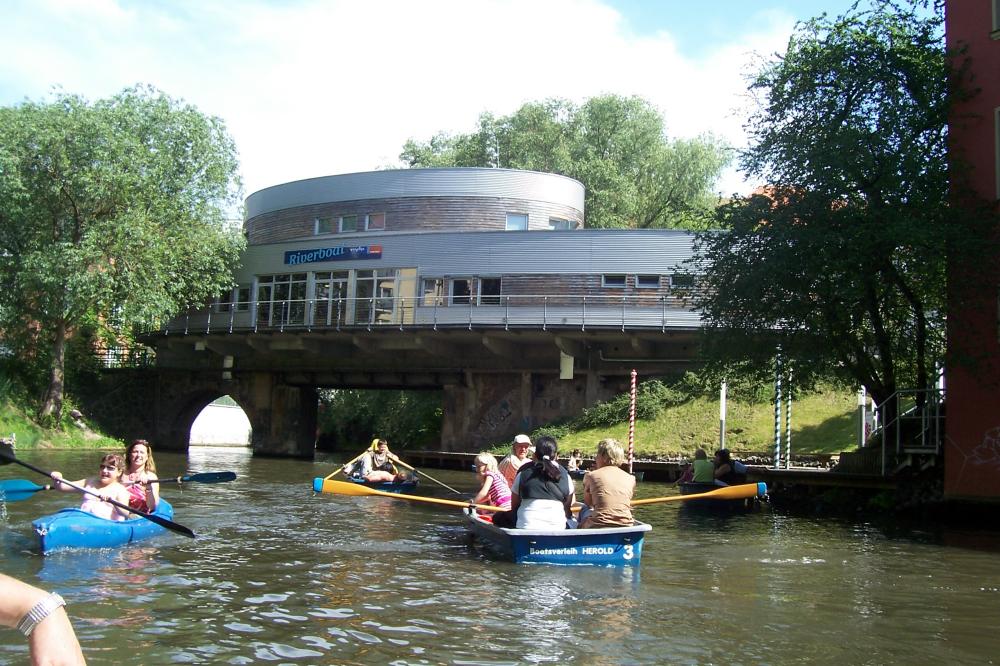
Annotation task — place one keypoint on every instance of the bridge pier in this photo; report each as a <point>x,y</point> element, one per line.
<point>493,407</point>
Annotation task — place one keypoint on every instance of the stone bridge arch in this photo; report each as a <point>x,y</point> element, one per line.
<point>282,416</point>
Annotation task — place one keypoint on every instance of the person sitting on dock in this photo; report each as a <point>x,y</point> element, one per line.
<point>543,494</point>
<point>494,487</point>
<point>607,489</point>
<point>517,457</point>
<point>377,465</point>
<point>106,485</point>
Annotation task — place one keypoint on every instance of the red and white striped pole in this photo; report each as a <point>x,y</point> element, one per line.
<point>631,424</point>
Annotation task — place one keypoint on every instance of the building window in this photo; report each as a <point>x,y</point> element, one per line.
<point>238,297</point>
<point>647,281</point>
<point>323,225</point>
<point>348,223</point>
<point>556,224</point>
<point>461,291</point>
<point>613,281</point>
<point>375,222</point>
<point>432,292</point>
<point>682,280</point>
<point>490,289</point>
<point>517,222</point>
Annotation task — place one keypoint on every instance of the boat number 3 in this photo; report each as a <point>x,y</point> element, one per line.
<point>628,552</point>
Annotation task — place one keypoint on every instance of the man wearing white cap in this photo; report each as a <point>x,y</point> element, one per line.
<point>519,455</point>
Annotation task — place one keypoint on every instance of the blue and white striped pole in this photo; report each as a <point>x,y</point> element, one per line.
<point>777,410</point>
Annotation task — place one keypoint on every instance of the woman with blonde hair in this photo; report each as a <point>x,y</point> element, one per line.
<point>608,489</point>
<point>140,476</point>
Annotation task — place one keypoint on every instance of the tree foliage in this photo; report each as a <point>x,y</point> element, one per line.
<point>406,419</point>
<point>842,260</point>
<point>111,212</point>
<point>635,176</point>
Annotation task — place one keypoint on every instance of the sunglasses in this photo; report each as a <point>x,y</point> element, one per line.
<point>110,468</point>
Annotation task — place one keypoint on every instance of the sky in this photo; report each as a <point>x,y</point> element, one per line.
<point>312,88</point>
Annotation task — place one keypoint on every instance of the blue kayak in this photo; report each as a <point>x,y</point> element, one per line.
<point>608,546</point>
<point>73,528</point>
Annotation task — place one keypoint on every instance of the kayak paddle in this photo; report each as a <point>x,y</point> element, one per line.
<point>7,456</point>
<point>199,477</point>
<point>15,490</point>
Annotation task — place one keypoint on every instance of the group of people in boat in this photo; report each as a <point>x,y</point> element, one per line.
<point>721,470</point>
<point>128,479</point>
<point>538,493</point>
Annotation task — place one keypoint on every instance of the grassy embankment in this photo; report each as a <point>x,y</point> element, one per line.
<point>30,435</point>
<point>823,422</point>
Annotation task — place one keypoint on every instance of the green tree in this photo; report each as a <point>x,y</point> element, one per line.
<point>842,262</point>
<point>635,176</point>
<point>110,212</point>
<point>407,419</point>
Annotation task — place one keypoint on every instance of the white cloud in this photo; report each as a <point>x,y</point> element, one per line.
<point>314,88</point>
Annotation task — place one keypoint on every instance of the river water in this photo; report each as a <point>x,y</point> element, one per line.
<point>280,575</point>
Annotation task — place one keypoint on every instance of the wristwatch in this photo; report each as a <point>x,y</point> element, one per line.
<point>39,612</point>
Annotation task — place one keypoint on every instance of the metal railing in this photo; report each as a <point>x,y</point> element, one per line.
<point>535,311</point>
<point>126,356</point>
<point>918,425</point>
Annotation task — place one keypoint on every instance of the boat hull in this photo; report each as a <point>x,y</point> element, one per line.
<point>384,486</point>
<point>73,528</point>
<point>617,546</point>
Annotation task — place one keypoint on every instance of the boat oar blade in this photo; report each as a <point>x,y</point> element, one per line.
<point>742,491</point>
<point>208,477</point>
<point>15,490</point>
<point>7,453</point>
<point>358,489</point>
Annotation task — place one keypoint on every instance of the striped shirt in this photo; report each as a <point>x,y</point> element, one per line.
<point>499,490</point>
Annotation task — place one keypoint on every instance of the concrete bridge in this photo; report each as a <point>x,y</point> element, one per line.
<point>495,381</point>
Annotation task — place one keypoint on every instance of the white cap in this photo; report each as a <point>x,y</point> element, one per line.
<point>522,439</point>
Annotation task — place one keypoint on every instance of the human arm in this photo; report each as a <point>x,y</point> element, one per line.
<point>722,470</point>
<point>588,498</point>
<point>62,484</point>
<point>484,491</point>
<point>52,642</point>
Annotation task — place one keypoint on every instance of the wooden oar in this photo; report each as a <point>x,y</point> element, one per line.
<point>7,456</point>
<point>742,491</point>
<point>423,473</point>
<point>350,462</point>
<point>348,488</point>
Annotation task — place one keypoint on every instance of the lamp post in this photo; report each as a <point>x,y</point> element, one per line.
<point>862,403</point>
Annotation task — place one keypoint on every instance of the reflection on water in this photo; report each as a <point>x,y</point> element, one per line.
<point>278,574</point>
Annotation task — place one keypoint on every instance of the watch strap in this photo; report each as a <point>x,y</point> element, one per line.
<point>39,612</point>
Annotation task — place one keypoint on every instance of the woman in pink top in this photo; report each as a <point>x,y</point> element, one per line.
<point>494,486</point>
<point>106,485</point>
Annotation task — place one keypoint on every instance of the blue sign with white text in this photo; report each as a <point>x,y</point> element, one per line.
<point>296,257</point>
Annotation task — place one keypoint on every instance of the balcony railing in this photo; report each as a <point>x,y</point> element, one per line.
<point>531,311</point>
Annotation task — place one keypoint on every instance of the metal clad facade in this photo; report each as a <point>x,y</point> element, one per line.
<point>596,251</point>
<point>529,185</point>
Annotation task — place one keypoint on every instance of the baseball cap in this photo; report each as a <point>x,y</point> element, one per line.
<point>522,439</point>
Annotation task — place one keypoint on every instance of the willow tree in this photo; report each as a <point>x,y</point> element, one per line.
<point>842,260</point>
<point>112,212</point>
<point>635,175</point>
